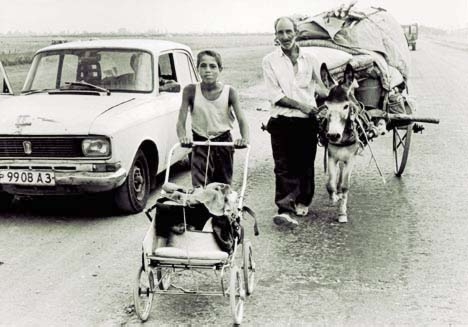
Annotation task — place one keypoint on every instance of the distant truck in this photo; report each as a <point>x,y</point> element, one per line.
<point>411,34</point>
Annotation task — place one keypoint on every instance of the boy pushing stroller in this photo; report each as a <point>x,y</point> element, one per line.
<point>213,107</point>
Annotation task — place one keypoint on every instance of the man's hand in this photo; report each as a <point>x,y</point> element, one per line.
<point>309,109</point>
<point>169,85</point>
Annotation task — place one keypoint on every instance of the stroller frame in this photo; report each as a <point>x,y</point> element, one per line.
<point>159,264</point>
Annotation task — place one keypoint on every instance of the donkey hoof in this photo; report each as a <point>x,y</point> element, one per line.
<point>342,219</point>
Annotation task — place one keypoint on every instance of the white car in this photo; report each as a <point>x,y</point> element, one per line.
<point>92,117</point>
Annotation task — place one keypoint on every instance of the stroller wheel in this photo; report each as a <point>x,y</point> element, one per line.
<point>143,293</point>
<point>248,267</point>
<point>236,295</point>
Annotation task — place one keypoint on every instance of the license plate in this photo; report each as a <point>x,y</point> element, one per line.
<point>26,177</point>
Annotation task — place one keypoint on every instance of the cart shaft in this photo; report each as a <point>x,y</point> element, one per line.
<point>411,118</point>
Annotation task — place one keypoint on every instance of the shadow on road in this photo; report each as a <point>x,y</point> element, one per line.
<point>89,206</point>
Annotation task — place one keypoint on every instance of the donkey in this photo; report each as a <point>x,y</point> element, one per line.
<point>338,129</point>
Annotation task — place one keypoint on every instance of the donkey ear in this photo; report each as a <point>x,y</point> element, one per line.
<point>326,77</point>
<point>348,75</point>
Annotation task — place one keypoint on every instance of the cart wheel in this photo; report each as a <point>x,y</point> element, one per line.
<point>143,293</point>
<point>401,144</point>
<point>163,276</point>
<point>236,295</point>
<point>248,267</point>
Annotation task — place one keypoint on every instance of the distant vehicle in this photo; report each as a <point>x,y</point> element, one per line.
<point>92,117</point>
<point>411,34</point>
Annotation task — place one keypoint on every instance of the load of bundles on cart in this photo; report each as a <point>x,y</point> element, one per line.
<point>373,43</point>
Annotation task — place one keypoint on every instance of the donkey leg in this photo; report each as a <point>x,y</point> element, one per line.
<point>332,181</point>
<point>344,187</point>
<point>343,215</point>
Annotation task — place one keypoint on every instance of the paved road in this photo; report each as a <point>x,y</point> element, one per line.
<point>401,260</point>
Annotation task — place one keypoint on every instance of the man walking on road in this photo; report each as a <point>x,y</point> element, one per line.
<point>291,80</point>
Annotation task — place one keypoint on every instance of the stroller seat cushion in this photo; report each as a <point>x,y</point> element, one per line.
<point>188,256</point>
<point>194,247</point>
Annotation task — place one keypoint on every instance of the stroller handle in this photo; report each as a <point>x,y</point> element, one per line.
<point>210,143</point>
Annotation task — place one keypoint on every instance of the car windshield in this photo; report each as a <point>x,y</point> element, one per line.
<point>110,69</point>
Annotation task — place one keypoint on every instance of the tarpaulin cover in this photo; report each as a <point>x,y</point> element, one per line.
<point>371,31</point>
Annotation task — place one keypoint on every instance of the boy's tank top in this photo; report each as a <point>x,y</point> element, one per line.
<point>211,118</point>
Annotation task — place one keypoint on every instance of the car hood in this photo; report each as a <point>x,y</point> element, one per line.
<point>41,114</point>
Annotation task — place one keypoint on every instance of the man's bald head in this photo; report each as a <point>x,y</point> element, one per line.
<point>288,19</point>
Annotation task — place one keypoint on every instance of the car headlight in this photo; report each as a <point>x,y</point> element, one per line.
<point>97,147</point>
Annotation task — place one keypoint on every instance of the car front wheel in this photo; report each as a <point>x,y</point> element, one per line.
<point>132,195</point>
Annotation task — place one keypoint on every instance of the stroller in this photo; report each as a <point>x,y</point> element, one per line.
<point>197,230</point>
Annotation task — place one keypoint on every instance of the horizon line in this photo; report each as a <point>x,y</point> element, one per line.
<point>166,33</point>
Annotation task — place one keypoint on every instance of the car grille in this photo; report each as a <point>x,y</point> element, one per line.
<point>40,147</point>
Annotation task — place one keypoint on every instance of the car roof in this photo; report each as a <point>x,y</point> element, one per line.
<point>152,45</point>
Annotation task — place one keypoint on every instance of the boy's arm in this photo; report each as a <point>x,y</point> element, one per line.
<point>187,100</point>
<point>241,120</point>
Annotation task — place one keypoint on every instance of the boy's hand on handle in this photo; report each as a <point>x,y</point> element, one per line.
<point>185,142</point>
<point>241,143</point>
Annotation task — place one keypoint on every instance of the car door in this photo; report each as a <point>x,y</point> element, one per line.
<point>168,104</point>
<point>5,87</point>
<point>183,72</point>
<point>186,74</point>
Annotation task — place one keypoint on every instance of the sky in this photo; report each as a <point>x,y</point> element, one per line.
<point>202,16</point>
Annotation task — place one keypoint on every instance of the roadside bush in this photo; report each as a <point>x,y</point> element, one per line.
<point>16,59</point>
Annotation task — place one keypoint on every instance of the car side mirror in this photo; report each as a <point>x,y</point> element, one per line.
<point>5,88</point>
<point>172,87</point>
